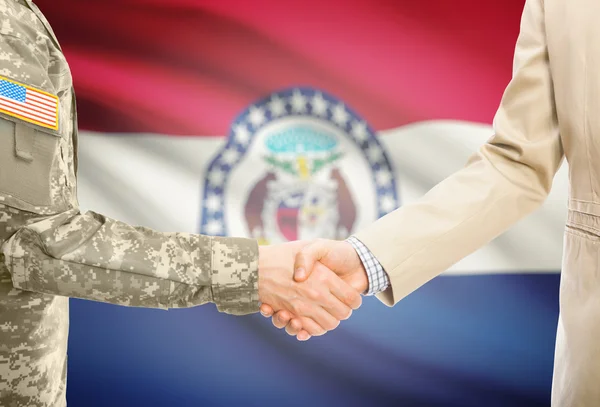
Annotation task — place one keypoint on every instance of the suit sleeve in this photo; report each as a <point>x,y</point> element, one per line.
<point>508,178</point>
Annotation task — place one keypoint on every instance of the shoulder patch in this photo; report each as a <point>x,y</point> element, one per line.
<point>29,104</point>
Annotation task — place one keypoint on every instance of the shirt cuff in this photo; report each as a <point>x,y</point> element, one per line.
<point>378,278</point>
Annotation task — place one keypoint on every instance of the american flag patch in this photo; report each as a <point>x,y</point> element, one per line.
<point>29,104</point>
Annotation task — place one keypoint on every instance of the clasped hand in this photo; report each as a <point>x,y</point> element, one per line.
<point>309,287</point>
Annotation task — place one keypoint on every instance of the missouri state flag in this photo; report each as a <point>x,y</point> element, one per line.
<point>285,120</point>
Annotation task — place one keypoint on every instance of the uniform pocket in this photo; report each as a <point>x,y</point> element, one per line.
<point>28,165</point>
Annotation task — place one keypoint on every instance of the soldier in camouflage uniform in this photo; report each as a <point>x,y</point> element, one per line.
<point>51,251</point>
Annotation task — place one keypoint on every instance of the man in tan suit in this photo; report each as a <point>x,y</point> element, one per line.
<point>550,109</point>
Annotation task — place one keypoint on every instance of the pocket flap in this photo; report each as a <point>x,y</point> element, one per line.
<point>24,140</point>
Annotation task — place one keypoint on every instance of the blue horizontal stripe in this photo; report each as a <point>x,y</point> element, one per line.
<point>464,341</point>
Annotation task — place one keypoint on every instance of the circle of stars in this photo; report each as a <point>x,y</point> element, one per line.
<point>292,102</point>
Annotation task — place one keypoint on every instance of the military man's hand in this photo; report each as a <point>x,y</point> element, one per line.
<point>319,303</point>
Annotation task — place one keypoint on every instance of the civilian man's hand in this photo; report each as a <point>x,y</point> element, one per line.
<point>318,303</point>
<point>338,256</point>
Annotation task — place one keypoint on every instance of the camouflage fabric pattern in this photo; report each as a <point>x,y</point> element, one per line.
<point>29,54</point>
<point>51,251</point>
<point>93,257</point>
<point>33,335</point>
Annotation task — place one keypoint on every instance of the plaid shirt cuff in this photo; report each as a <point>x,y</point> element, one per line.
<point>378,278</point>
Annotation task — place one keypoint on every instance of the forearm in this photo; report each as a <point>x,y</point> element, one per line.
<point>507,179</point>
<point>93,257</point>
<point>421,240</point>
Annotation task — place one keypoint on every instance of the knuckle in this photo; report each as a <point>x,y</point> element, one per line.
<point>351,298</point>
<point>313,294</point>
<point>298,307</point>
<point>321,297</point>
<point>322,277</point>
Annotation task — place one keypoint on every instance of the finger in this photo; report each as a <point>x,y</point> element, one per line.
<point>343,291</point>
<point>303,336</point>
<point>336,308</point>
<point>266,310</point>
<point>294,327</point>
<point>323,318</point>
<point>311,328</point>
<point>338,291</point>
<point>281,319</point>
<point>306,258</point>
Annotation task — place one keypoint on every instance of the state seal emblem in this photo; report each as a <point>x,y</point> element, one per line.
<point>298,164</point>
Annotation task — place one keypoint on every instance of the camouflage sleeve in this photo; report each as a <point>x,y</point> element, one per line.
<point>93,257</point>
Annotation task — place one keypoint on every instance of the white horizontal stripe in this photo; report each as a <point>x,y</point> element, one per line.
<point>424,154</point>
<point>28,114</point>
<point>29,105</point>
<point>41,97</point>
<point>24,106</point>
<point>167,174</point>
<point>51,109</point>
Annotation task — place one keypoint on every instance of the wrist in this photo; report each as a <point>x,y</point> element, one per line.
<point>360,279</point>
<point>234,275</point>
<point>262,256</point>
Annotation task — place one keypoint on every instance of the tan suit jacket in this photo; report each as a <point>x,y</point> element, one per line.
<point>550,109</point>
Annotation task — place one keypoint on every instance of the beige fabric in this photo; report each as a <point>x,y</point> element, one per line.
<point>550,109</point>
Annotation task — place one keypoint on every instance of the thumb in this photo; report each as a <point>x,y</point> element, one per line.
<point>359,282</point>
<point>307,257</point>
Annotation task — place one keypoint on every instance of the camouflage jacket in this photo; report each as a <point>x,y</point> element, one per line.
<point>52,251</point>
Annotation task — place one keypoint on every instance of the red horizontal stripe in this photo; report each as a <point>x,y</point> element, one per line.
<point>10,110</point>
<point>26,108</point>
<point>43,101</point>
<point>395,62</point>
<point>26,113</point>
<point>51,110</point>
<point>42,96</point>
<point>34,106</point>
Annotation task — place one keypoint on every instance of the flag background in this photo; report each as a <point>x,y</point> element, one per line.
<point>158,84</point>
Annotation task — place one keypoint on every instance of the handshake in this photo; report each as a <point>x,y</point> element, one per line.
<point>309,287</point>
